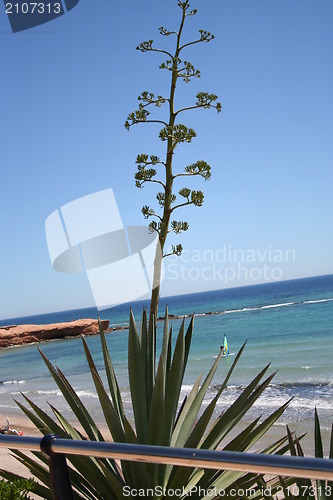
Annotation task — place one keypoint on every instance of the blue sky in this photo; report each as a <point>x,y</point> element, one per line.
<point>67,87</point>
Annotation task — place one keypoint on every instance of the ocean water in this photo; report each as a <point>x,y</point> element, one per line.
<point>288,324</point>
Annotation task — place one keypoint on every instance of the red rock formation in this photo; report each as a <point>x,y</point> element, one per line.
<point>27,334</point>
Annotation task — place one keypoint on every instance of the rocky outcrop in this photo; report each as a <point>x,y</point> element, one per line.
<point>14,335</point>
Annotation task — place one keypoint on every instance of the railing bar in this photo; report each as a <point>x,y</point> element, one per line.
<point>20,442</point>
<point>304,467</point>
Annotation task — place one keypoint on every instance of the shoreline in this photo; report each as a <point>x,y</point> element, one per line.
<point>18,335</point>
<point>21,422</point>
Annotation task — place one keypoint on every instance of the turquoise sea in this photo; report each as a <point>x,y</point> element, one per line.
<point>288,324</point>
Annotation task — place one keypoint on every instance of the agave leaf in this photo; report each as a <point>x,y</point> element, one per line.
<point>173,387</point>
<point>257,433</point>
<point>179,476</point>
<point>181,408</point>
<point>292,447</point>
<point>248,482</point>
<point>116,484</point>
<point>111,376</point>
<point>203,421</point>
<point>74,401</point>
<point>137,381</point>
<point>226,380</point>
<point>143,330</point>
<point>191,483</point>
<point>169,356</point>
<point>138,469</point>
<point>111,416</point>
<point>329,484</point>
<point>249,403</point>
<point>54,428</point>
<point>318,441</point>
<point>84,480</point>
<point>165,345</point>
<point>188,340</point>
<point>35,420</point>
<point>143,337</point>
<point>75,434</point>
<point>40,472</point>
<point>302,484</point>
<point>183,415</point>
<point>92,464</point>
<point>239,443</point>
<point>234,413</point>
<point>276,447</point>
<point>166,335</point>
<point>49,425</point>
<point>155,427</point>
<point>71,431</point>
<point>77,478</point>
<point>224,480</point>
<point>286,490</point>
<point>319,453</point>
<point>156,422</point>
<point>185,424</point>
<point>264,488</point>
<point>151,356</point>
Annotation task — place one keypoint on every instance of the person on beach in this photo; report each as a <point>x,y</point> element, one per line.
<point>6,429</point>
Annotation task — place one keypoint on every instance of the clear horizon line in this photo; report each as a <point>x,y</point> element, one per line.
<point>162,297</point>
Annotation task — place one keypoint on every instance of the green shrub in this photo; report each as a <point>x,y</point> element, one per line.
<point>18,488</point>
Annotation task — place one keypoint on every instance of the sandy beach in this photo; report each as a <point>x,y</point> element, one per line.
<point>22,423</point>
<point>7,461</point>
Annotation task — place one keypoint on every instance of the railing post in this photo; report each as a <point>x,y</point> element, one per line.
<point>59,475</point>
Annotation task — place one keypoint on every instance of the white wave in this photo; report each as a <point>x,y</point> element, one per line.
<point>320,404</point>
<point>187,388</point>
<point>306,367</point>
<point>275,402</point>
<point>14,382</point>
<point>272,306</point>
<point>87,394</point>
<point>284,304</point>
<point>240,310</point>
<point>317,301</point>
<point>55,392</point>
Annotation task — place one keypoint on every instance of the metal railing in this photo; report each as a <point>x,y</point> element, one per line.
<point>56,448</point>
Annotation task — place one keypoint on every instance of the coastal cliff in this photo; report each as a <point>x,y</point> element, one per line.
<point>14,335</point>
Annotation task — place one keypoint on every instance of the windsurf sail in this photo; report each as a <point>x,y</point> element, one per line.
<point>225,346</point>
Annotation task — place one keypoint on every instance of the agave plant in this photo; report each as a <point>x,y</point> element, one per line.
<point>304,488</point>
<point>160,418</point>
